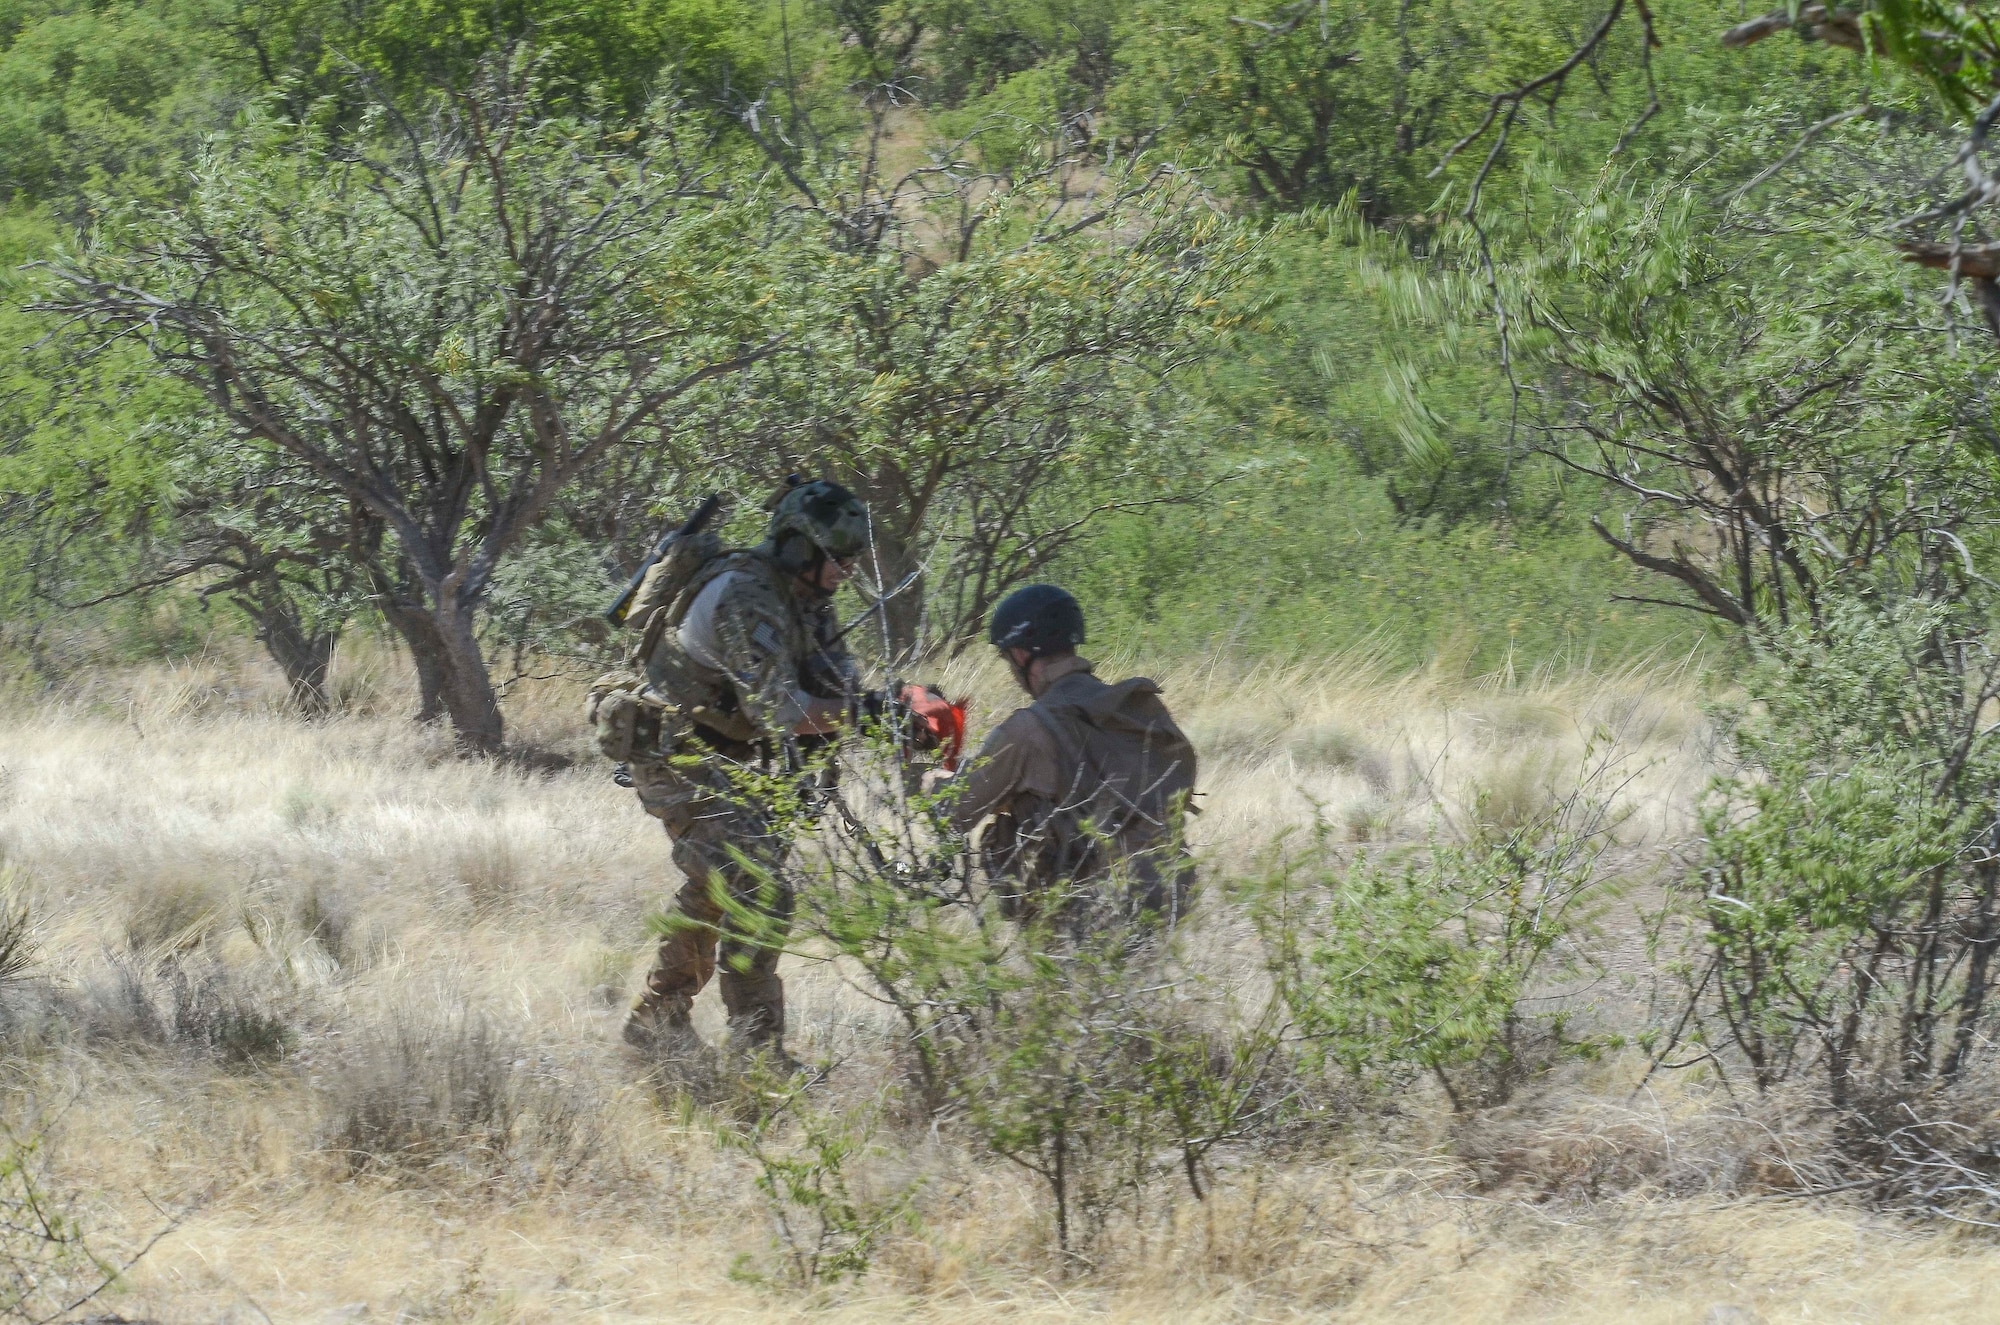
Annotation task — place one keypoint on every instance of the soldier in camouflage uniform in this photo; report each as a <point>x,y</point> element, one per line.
<point>750,675</point>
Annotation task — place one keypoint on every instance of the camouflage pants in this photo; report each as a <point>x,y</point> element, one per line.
<point>708,820</point>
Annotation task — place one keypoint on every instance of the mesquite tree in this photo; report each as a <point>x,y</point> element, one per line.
<point>1767,445</point>
<point>989,347</point>
<point>439,322</point>
<point>1950,47</point>
<point>1809,462</point>
<point>1754,442</point>
<point>991,365</point>
<point>246,527</point>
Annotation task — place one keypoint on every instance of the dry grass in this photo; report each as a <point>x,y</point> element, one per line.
<point>449,1132</point>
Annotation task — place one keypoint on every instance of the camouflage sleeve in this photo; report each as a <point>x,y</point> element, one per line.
<point>993,775</point>
<point>840,674</point>
<point>757,644</point>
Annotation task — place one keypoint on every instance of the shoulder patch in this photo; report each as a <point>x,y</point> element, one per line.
<point>765,637</point>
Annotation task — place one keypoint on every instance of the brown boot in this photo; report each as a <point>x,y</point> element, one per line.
<point>662,1025</point>
<point>756,1004</point>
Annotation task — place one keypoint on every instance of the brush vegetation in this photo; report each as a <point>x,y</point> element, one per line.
<point>429,959</point>
<point>1545,451</point>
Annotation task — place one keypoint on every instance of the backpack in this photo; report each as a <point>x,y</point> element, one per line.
<point>1125,808</point>
<point>626,715</point>
<point>664,598</point>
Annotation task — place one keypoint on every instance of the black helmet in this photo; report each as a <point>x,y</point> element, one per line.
<point>1040,618</point>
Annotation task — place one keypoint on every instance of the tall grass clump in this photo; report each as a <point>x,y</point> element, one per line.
<point>454,1097</point>
<point>199,1008</point>
<point>17,940</point>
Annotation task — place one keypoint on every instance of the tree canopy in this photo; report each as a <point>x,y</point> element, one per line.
<point>425,318</point>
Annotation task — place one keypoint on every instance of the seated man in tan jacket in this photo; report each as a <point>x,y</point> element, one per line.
<point>1084,792</point>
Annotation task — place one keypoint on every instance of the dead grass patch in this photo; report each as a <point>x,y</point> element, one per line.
<point>453,1132</point>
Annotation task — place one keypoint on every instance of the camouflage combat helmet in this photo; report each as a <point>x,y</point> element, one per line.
<point>830,518</point>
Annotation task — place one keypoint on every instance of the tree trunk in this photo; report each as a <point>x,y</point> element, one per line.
<point>420,637</point>
<point>305,658</point>
<point>430,682</point>
<point>451,672</point>
<point>905,613</point>
<point>468,689</point>
<point>303,655</point>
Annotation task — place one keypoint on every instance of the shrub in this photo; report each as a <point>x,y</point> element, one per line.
<point>17,940</point>
<point>1088,1069</point>
<point>1847,901</point>
<point>47,1268</point>
<point>1446,959</point>
<point>1075,1046</point>
<point>174,1003</point>
<point>829,1219</point>
<point>23,1006</point>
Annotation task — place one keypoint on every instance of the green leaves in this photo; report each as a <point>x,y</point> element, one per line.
<point>1423,960</point>
<point>1846,891</point>
<point>47,1269</point>
<point>988,361</point>
<point>1951,46</point>
<point>94,95</point>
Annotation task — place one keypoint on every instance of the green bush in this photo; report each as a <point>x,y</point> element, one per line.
<point>830,1220</point>
<point>1076,1046</point>
<point>1849,895</point>
<point>1455,959</point>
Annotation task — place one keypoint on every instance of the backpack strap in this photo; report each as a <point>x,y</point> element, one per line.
<point>656,626</point>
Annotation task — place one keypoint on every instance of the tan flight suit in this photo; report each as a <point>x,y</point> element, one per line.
<point>1034,785</point>
<point>736,715</point>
